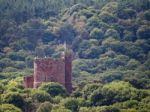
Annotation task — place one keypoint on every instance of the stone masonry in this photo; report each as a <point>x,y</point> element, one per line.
<point>51,70</point>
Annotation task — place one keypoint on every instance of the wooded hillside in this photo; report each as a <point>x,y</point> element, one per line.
<point>111,43</point>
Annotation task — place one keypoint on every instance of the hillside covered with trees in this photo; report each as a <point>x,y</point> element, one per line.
<point>111,44</point>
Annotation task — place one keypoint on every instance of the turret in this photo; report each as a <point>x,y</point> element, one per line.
<point>68,71</point>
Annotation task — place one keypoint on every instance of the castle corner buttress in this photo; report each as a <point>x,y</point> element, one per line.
<point>51,70</point>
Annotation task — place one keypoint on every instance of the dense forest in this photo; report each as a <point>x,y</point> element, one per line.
<point>111,44</point>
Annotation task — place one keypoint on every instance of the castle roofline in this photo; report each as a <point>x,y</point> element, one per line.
<point>46,58</point>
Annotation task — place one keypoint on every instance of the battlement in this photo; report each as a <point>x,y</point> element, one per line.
<point>36,59</point>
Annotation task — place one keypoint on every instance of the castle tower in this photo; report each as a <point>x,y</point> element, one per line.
<point>67,57</point>
<point>52,70</point>
<point>68,71</point>
<point>48,70</point>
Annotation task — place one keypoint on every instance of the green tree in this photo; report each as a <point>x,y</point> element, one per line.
<point>15,99</point>
<point>45,107</point>
<point>41,96</point>
<point>54,89</point>
<point>71,104</point>
<point>2,88</point>
<point>129,36</point>
<point>60,109</point>
<point>66,33</point>
<point>112,33</point>
<point>127,13</point>
<point>9,108</point>
<point>143,32</point>
<point>147,15</point>
<point>89,88</point>
<point>129,110</point>
<point>133,64</point>
<point>107,17</point>
<point>97,33</point>
<point>114,92</point>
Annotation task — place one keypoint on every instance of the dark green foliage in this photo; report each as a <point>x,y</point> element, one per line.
<point>143,32</point>
<point>127,13</point>
<point>97,34</point>
<point>67,33</point>
<point>114,92</point>
<point>129,36</point>
<point>127,104</point>
<point>15,99</point>
<point>47,37</point>
<point>147,15</point>
<point>29,61</point>
<point>45,107</point>
<point>5,62</point>
<point>54,89</point>
<point>2,88</point>
<point>112,33</point>
<point>110,76</point>
<point>107,17</point>
<point>87,13</point>
<point>88,89</point>
<point>110,40</point>
<point>90,49</point>
<point>71,104</point>
<point>41,96</point>
<point>94,22</point>
<point>108,109</point>
<point>9,108</point>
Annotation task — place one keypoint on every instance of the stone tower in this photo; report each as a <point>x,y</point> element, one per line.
<point>68,71</point>
<point>52,70</point>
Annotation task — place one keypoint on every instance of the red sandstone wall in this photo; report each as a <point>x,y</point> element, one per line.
<point>28,81</point>
<point>46,70</point>
<point>50,70</point>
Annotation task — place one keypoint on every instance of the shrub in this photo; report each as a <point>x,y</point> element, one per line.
<point>86,13</point>
<point>67,33</point>
<point>147,15</point>
<point>41,96</point>
<point>97,33</point>
<point>54,89</point>
<point>88,89</point>
<point>127,13</point>
<point>108,109</point>
<point>129,36</point>
<point>112,33</point>
<point>60,109</point>
<point>9,108</point>
<point>9,69</point>
<point>15,99</point>
<point>71,104</point>
<point>127,104</point>
<point>45,107</point>
<point>110,7</point>
<point>2,88</point>
<point>19,64</point>
<point>18,56</point>
<point>85,109</point>
<point>6,62</point>
<point>99,109</point>
<point>114,92</point>
<point>129,110</point>
<point>143,32</point>
<point>133,64</point>
<point>107,17</point>
<point>111,75</point>
<point>29,61</point>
